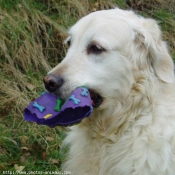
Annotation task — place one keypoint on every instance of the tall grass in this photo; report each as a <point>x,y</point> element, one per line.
<point>31,36</point>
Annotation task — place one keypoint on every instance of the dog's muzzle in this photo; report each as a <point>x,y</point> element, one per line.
<point>53,84</point>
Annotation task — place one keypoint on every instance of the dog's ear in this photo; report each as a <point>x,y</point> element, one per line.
<point>150,37</point>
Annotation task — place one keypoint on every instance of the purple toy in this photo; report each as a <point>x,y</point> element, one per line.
<point>49,110</point>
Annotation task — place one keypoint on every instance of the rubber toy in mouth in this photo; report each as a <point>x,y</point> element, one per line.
<point>51,111</point>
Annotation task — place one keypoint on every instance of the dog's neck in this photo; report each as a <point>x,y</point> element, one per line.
<point>121,115</point>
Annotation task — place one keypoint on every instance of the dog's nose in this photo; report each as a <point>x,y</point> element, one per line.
<point>52,82</point>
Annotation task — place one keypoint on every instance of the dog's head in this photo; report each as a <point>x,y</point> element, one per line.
<point>104,49</point>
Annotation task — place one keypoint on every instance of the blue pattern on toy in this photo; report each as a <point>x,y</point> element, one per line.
<point>39,107</point>
<point>84,92</point>
<point>75,100</point>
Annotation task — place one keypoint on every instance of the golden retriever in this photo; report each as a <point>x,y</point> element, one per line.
<point>122,59</point>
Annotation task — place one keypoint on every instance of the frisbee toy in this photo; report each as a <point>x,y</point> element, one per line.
<point>52,111</point>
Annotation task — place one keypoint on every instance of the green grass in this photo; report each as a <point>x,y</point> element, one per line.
<point>26,144</point>
<point>31,34</point>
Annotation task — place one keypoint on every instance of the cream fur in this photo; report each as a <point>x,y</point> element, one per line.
<point>133,130</point>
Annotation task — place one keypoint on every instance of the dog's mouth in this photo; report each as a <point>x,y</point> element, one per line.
<point>96,98</point>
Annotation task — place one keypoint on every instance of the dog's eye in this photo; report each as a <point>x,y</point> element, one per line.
<point>69,43</point>
<point>95,49</point>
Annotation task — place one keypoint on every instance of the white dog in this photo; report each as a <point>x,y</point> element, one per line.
<point>122,59</point>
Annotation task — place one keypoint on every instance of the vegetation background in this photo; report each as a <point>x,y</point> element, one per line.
<point>31,36</point>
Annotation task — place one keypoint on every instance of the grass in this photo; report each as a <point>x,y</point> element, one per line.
<point>31,35</point>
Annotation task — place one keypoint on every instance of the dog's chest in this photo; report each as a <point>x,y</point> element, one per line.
<point>93,152</point>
